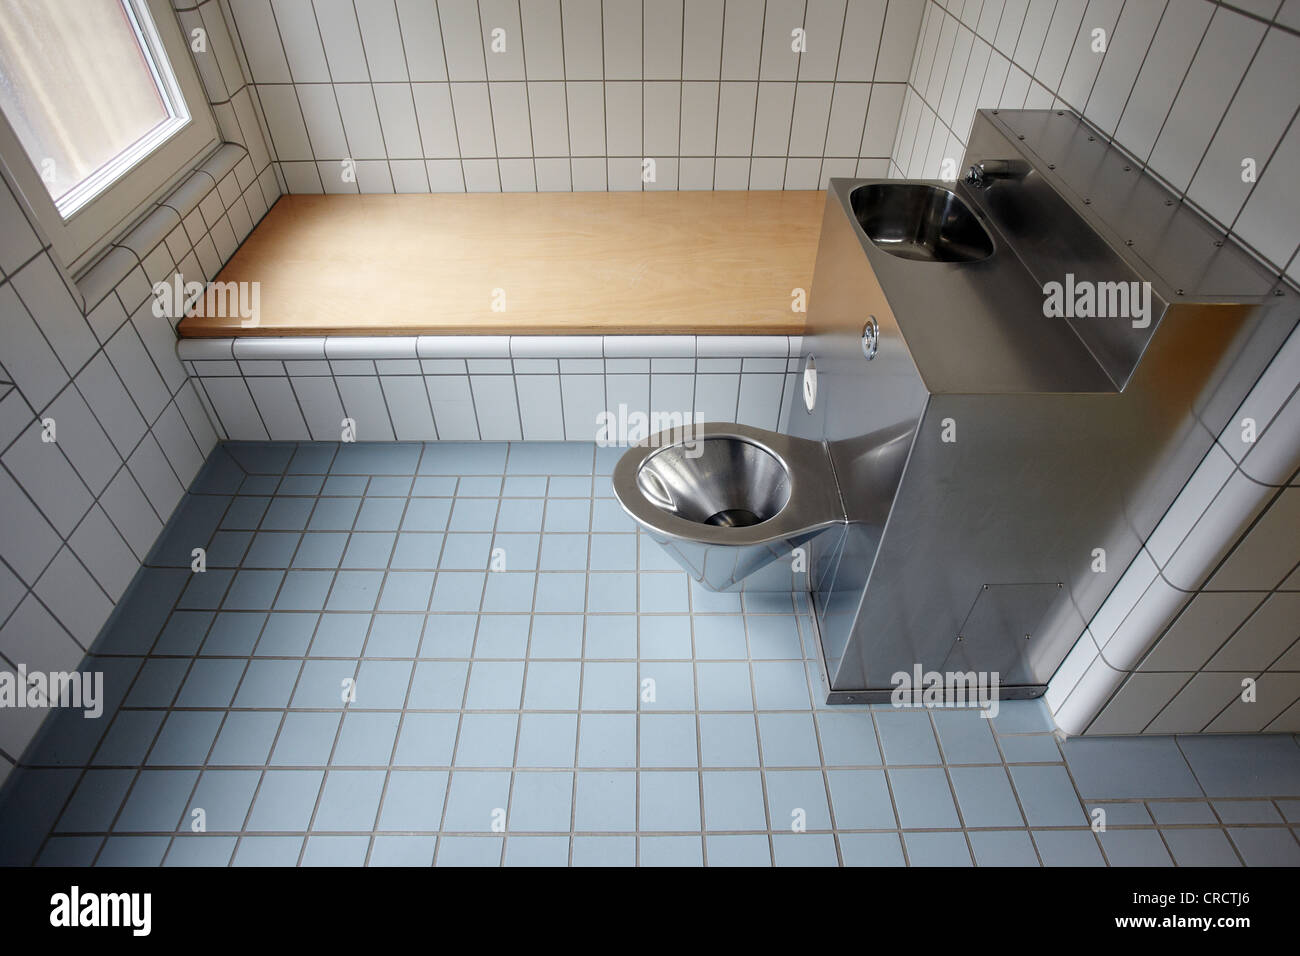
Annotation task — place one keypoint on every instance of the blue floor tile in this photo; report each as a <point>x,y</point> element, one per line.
<point>937,849</point>
<point>350,800</point>
<point>368,550</point>
<point>1200,846</point>
<point>487,740</point>
<point>285,800</point>
<point>669,800</point>
<point>200,851</point>
<point>469,851</point>
<point>741,849</point>
<point>495,685</point>
<point>668,740</point>
<point>224,797</point>
<point>789,740</point>
<point>157,801</point>
<point>610,636</point>
<point>923,798</point>
<point>1003,848</point>
<point>861,800</point>
<point>477,801</point>
<point>185,738</point>
<point>1047,796</point>
<point>1121,768</point>
<point>604,851</point>
<point>733,800</point>
<point>966,737</point>
<point>728,740</point>
<point>547,740</point>
<point>1266,846</point>
<point>426,740</point>
<point>985,797</point>
<point>907,738</point>
<point>268,851</point>
<point>871,849</point>
<point>670,851</point>
<point>335,851</point>
<point>1068,848</point>
<point>133,851</point>
<point>340,635</point>
<point>305,740</point>
<point>804,849</point>
<point>797,798</point>
<point>1244,766</point>
<point>605,801</point>
<point>542,800</point>
<point>848,739</point>
<point>245,739</point>
<point>1134,848</point>
<point>546,851</point>
<point>607,740</point>
<point>403,851</point>
<point>366,739</point>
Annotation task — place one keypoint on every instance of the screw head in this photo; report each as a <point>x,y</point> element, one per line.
<point>1128,242</point>
<point>995,112</point>
<point>1021,136</point>
<point>1092,139</point>
<point>1051,165</point>
<point>1087,202</point>
<point>1178,292</point>
<point>1169,202</point>
<point>1218,242</point>
<point>1060,112</point>
<point>1279,293</point>
<point>1128,169</point>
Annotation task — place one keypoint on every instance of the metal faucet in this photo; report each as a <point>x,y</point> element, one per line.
<point>980,173</point>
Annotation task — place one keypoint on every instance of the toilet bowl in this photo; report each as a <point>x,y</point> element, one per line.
<point>725,499</point>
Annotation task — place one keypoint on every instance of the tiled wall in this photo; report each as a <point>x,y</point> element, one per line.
<point>493,388</point>
<point>1189,88</point>
<point>554,95</point>
<point>79,514</point>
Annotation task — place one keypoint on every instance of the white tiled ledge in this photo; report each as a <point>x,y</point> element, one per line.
<point>299,348</point>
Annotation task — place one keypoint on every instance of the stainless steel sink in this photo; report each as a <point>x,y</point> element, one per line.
<point>920,222</point>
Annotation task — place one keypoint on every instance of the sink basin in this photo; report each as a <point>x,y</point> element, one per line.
<point>921,222</point>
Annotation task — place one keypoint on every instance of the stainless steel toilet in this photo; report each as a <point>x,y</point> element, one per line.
<point>725,499</point>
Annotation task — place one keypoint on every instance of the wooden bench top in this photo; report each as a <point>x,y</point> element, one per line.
<point>722,263</point>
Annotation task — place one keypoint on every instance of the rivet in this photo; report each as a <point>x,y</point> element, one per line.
<point>1218,242</point>
<point>986,587</point>
<point>1087,202</point>
<point>1026,637</point>
<point>1278,292</point>
<point>1021,136</point>
<point>1178,291</point>
<point>960,638</point>
<point>995,112</point>
<point>1128,169</point>
<point>1169,202</point>
<point>1128,242</point>
<point>1051,165</point>
<point>1092,139</point>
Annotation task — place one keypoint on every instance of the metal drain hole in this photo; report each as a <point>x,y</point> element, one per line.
<point>733,518</point>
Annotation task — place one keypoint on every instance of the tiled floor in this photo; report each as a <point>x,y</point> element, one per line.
<point>346,683</point>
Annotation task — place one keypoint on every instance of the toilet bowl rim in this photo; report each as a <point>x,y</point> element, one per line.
<point>806,465</point>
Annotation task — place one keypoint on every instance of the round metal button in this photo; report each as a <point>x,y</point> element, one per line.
<point>870,337</point>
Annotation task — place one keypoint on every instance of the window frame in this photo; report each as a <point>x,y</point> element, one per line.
<point>78,240</point>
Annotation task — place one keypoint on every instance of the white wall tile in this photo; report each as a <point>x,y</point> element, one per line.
<point>27,541</point>
<point>543,40</point>
<point>583,42</point>
<point>401,133</point>
<point>53,484</point>
<point>59,317</point>
<point>278,408</point>
<point>422,40</point>
<point>105,555</point>
<point>584,399</point>
<point>234,408</point>
<point>381,38</point>
<point>408,407</point>
<point>453,407</point>
<point>131,513</point>
<point>151,470</point>
<point>28,357</point>
<point>83,440</point>
<point>77,601</point>
<point>363,402</point>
